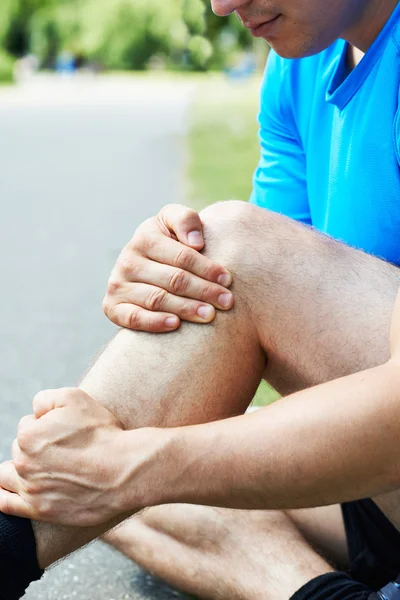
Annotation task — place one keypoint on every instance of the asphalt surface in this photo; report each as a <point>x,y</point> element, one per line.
<point>82,163</point>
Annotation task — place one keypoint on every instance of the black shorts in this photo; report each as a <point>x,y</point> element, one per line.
<point>374,551</point>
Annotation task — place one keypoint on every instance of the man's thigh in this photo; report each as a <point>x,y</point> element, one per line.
<point>359,537</point>
<point>323,528</point>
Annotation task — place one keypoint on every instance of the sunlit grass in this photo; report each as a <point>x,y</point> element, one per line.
<point>223,144</point>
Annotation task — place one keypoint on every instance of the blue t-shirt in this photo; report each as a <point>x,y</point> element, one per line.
<point>330,143</point>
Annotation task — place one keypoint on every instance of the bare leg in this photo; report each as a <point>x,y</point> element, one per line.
<point>224,554</point>
<point>323,528</point>
<point>309,308</point>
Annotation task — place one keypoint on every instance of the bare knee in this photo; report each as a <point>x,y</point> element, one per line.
<point>233,229</point>
<point>226,211</point>
<point>221,225</point>
<point>243,237</point>
<point>246,239</point>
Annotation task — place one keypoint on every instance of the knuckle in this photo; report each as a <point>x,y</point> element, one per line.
<point>152,241</point>
<point>189,213</point>
<point>113,286</point>
<point>144,236</point>
<point>21,465</point>
<point>143,229</point>
<point>112,313</point>
<point>157,299</point>
<point>206,292</point>
<point>5,504</point>
<point>24,438</point>
<point>137,241</point>
<point>46,510</point>
<point>185,259</point>
<point>178,282</point>
<point>132,319</point>
<point>180,209</point>
<point>126,267</point>
<point>189,309</point>
<point>169,209</point>
<point>21,427</point>
<point>67,393</point>
<point>40,396</point>
<point>32,488</point>
<point>71,395</point>
<point>106,306</point>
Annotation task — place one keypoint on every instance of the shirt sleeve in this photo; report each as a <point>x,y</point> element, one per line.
<point>279,182</point>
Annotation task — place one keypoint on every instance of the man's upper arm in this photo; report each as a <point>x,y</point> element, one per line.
<point>279,182</point>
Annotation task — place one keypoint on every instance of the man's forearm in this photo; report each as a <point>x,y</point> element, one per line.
<point>332,443</point>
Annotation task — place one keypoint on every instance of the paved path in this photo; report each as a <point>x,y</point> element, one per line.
<point>81,165</point>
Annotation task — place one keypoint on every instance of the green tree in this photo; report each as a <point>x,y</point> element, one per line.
<point>15,16</point>
<point>122,34</point>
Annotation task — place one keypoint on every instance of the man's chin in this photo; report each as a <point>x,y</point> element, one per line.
<point>290,47</point>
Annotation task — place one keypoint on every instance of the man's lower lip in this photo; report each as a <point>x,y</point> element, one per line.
<point>265,28</point>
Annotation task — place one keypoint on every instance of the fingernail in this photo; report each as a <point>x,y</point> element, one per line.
<point>225,300</point>
<point>195,238</point>
<point>205,312</point>
<point>171,322</point>
<point>225,279</point>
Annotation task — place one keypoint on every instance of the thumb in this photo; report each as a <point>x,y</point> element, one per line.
<point>49,400</point>
<point>185,223</point>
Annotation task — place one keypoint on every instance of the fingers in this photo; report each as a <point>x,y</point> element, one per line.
<point>9,479</point>
<point>179,295</point>
<point>170,252</point>
<point>43,403</point>
<point>144,307</point>
<point>181,283</point>
<point>137,318</point>
<point>167,305</point>
<point>12,504</point>
<point>49,400</point>
<point>174,254</point>
<point>185,223</point>
<point>162,271</point>
<point>176,281</point>
<point>25,422</point>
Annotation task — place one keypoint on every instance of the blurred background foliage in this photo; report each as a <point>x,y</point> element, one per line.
<point>121,34</point>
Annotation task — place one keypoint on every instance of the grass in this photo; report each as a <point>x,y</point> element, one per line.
<point>223,152</point>
<point>223,144</point>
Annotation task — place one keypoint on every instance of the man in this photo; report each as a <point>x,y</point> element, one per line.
<point>295,293</point>
<point>84,468</point>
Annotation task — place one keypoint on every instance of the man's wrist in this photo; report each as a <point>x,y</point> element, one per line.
<point>150,467</point>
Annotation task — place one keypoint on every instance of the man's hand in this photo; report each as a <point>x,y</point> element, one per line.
<point>161,277</point>
<point>68,462</point>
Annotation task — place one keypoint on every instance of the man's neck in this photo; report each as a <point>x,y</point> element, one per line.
<point>369,23</point>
